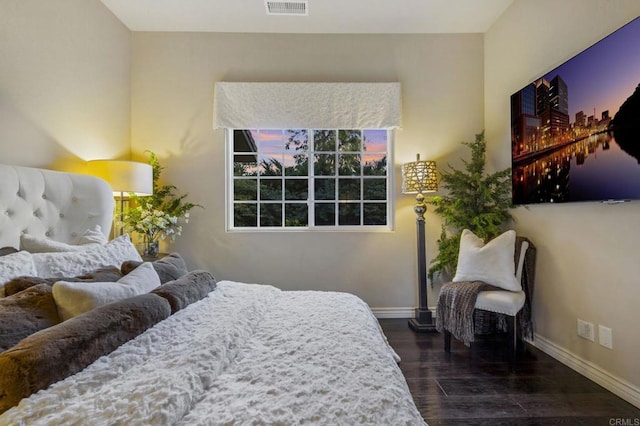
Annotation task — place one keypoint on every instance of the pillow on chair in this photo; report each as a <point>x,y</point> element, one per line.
<point>491,263</point>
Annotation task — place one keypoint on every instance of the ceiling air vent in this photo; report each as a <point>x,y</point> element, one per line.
<point>287,7</point>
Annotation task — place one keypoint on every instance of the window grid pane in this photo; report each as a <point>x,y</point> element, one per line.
<point>278,175</point>
<point>271,215</point>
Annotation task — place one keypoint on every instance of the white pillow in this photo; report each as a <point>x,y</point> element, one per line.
<point>93,235</point>
<point>88,239</point>
<point>15,265</point>
<point>70,264</point>
<point>75,298</point>
<point>492,263</point>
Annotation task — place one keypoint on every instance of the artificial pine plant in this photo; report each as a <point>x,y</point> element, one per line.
<point>475,201</point>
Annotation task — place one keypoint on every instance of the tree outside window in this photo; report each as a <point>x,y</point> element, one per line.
<point>308,178</point>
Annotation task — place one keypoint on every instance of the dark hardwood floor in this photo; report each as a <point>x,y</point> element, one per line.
<point>473,386</point>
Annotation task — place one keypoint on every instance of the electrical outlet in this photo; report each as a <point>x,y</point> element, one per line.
<point>586,330</point>
<point>605,335</point>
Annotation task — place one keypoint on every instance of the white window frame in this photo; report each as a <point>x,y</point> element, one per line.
<point>390,201</point>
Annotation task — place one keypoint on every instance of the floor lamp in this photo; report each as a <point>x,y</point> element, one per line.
<point>419,177</point>
<point>124,177</point>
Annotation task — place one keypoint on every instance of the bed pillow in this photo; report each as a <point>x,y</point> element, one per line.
<point>93,235</point>
<point>491,263</point>
<point>24,313</point>
<point>18,284</point>
<point>58,352</point>
<point>105,274</point>
<point>7,250</point>
<point>90,238</point>
<point>75,298</point>
<point>69,264</point>
<point>14,265</point>
<point>169,268</point>
<point>187,289</point>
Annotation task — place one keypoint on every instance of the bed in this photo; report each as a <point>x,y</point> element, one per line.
<point>182,349</point>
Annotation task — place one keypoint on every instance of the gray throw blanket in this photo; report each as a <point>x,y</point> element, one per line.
<point>455,307</point>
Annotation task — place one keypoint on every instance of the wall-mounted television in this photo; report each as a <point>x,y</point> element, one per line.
<point>575,131</point>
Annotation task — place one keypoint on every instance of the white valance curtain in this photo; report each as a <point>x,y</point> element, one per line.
<point>307,105</point>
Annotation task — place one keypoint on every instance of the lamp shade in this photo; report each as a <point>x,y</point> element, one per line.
<point>419,176</point>
<point>124,176</point>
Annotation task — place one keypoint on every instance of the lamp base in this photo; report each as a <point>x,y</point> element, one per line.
<point>423,322</point>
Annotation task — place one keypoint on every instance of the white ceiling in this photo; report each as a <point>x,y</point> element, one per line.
<point>325,16</point>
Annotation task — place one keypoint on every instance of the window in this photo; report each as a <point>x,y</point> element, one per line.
<point>311,179</point>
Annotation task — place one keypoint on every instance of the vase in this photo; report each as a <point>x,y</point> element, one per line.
<point>150,249</point>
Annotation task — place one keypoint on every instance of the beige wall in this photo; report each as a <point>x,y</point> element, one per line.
<point>64,83</point>
<point>67,81</point>
<point>172,92</point>
<point>588,253</point>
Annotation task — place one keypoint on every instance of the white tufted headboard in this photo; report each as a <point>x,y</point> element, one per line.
<point>46,203</point>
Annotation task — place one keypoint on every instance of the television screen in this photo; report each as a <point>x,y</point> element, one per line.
<point>575,131</point>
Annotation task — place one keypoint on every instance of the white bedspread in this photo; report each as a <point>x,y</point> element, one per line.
<point>246,354</point>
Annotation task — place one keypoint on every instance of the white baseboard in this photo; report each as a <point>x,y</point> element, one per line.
<point>404,313</point>
<point>625,390</point>
<point>393,312</point>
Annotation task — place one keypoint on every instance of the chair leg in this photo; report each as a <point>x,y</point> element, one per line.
<point>447,341</point>
<point>512,341</point>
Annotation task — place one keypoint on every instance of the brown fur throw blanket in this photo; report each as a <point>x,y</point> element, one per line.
<point>187,289</point>
<point>58,352</point>
<point>26,312</point>
<point>7,250</point>
<point>169,268</point>
<point>104,274</point>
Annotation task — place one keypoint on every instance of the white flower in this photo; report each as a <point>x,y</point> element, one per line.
<point>154,223</point>
<point>148,218</point>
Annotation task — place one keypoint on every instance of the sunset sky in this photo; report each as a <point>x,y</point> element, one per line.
<point>604,75</point>
<point>271,146</point>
